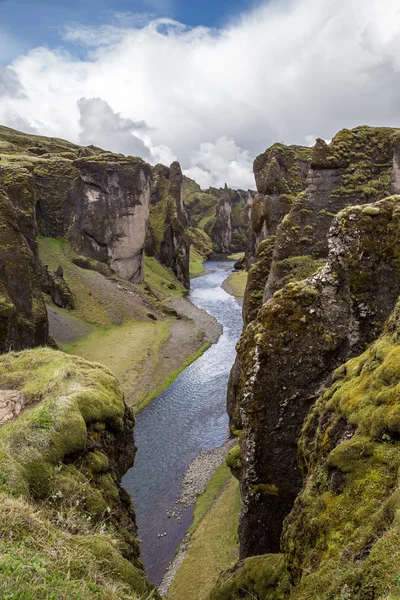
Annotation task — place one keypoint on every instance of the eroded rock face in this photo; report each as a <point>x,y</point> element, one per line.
<point>23,322</point>
<point>221,233</point>
<point>65,458</point>
<point>167,238</point>
<point>358,167</point>
<point>280,174</point>
<point>104,208</point>
<point>341,538</point>
<point>289,351</point>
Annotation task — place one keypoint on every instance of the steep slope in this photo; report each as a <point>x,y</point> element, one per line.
<point>98,200</point>
<point>223,214</point>
<point>166,237</point>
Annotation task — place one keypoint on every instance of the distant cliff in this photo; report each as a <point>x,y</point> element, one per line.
<point>167,237</point>
<point>223,214</point>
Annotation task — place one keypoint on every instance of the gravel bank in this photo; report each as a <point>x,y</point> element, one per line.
<point>194,484</point>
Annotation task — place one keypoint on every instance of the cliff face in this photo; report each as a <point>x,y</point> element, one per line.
<point>222,214</point>
<point>356,168</point>
<point>221,233</point>
<point>62,504</point>
<point>306,329</point>
<point>280,174</point>
<point>96,199</point>
<point>341,538</point>
<point>167,238</point>
<point>23,322</point>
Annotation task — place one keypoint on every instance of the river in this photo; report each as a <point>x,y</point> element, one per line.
<point>186,419</point>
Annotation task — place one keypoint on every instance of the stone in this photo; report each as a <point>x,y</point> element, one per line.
<point>12,402</point>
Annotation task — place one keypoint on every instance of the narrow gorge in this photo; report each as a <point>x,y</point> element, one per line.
<point>158,439</point>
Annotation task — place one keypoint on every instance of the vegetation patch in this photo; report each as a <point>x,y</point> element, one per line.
<point>214,543</point>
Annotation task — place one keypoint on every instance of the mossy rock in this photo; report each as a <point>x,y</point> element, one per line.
<point>259,578</point>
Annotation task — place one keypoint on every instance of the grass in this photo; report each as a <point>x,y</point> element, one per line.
<point>236,283</point>
<point>214,488</point>
<point>214,545</point>
<point>59,519</point>
<point>145,399</point>
<point>196,267</point>
<point>90,307</point>
<point>161,279</point>
<point>124,350</point>
<point>236,256</point>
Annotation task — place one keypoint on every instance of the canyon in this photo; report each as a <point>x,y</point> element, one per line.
<point>98,251</point>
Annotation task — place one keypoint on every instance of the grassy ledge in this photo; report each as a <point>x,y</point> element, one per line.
<point>235,284</point>
<point>143,402</point>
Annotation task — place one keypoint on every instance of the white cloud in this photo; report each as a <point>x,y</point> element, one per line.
<point>220,163</point>
<point>278,73</point>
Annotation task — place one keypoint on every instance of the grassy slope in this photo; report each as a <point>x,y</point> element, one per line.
<point>121,336</point>
<point>123,350</point>
<point>196,267</point>
<point>214,546</point>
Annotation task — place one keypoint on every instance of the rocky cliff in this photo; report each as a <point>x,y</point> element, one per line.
<point>223,214</point>
<point>298,331</point>
<point>341,538</point>
<point>167,237</point>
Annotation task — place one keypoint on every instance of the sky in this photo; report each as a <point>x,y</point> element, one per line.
<point>211,84</point>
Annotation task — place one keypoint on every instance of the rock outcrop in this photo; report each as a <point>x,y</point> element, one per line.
<point>23,321</point>
<point>222,214</point>
<point>356,168</point>
<point>99,201</point>
<point>281,174</point>
<point>167,238</point>
<point>298,330</point>
<point>221,233</point>
<point>341,538</point>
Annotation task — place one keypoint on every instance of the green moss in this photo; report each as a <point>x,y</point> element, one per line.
<point>343,523</point>
<point>297,268</point>
<point>365,154</point>
<point>259,578</point>
<point>60,537</point>
<point>234,460</point>
<point>257,278</point>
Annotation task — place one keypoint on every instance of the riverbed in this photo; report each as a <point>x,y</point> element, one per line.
<point>185,420</point>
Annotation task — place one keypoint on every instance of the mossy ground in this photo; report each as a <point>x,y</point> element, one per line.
<point>196,267</point>
<point>214,541</point>
<point>237,256</point>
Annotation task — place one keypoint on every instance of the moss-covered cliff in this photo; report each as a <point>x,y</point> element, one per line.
<point>67,524</point>
<point>341,538</point>
<point>167,238</point>
<point>222,214</point>
<point>298,330</point>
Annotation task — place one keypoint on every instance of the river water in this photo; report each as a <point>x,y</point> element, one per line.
<point>186,419</point>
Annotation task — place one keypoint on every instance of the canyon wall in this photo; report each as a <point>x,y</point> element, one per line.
<point>319,292</point>
<point>167,237</point>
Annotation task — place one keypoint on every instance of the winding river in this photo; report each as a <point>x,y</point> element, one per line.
<point>186,419</point>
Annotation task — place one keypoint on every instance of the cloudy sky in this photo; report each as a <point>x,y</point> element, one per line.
<point>211,83</point>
